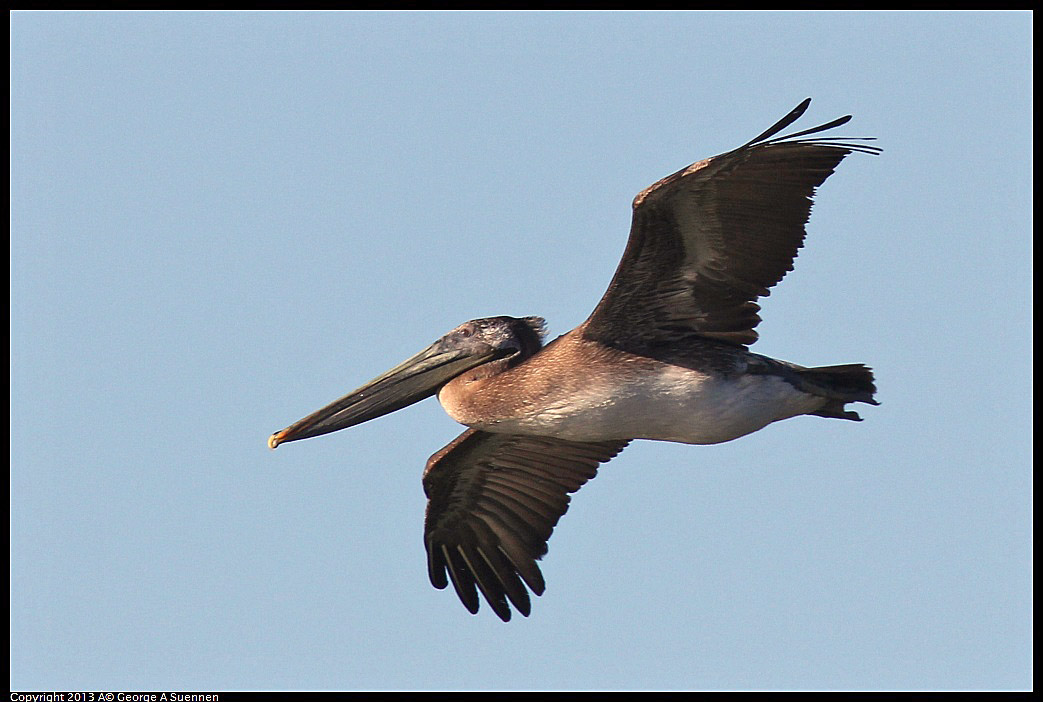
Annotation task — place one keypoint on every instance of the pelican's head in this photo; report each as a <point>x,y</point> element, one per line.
<point>507,340</point>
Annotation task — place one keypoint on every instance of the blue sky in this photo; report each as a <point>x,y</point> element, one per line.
<point>221,222</point>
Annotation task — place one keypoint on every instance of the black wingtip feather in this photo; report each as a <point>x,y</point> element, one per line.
<point>786,121</point>
<point>463,582</point>
<point>813,130</point>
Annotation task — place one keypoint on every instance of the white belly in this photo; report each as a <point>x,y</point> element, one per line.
<point>677,405</point>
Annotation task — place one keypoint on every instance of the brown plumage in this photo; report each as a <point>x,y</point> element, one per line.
<point>663,357</point>
<point>710,239</point>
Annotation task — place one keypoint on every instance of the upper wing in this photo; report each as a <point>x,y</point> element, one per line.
<point>708,240</point>
<point>493,501</point>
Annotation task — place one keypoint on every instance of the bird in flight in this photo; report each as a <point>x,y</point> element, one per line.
<point>663,356</point>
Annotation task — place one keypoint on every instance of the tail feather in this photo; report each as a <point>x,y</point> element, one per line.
<point>852,382</point>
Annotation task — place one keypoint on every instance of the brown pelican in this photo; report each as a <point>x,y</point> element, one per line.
<point>663,356</point>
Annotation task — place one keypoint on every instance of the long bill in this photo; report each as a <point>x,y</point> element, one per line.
<point>415,379</point>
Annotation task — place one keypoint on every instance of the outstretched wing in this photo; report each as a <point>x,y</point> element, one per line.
<point>493,501</point>
<point>710,239</point>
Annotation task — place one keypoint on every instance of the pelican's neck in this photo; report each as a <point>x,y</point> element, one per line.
<point>473,397</point>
